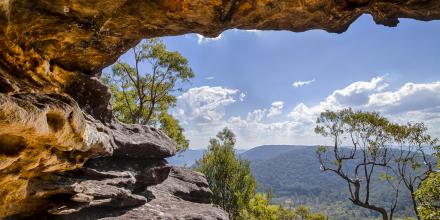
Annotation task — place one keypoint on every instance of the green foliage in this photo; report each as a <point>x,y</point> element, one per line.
<point>229,178</point>
<point>143,92</point>
<point>260,208</point>
<point>233,185</point>
<point>304,213</point>
<point>428,196</point>
<point>371,137</point>
<point>385,177</point>
<point>293,173</point>
<point>321,149</point>
<point>171,127</point>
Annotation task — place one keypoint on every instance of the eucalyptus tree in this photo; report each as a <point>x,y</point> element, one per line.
<point>229,177</point>
<point>411,162</point>
<point>428,197</point>
<point>145,89</point>
<point>367,133</point>
<point>396,153</point>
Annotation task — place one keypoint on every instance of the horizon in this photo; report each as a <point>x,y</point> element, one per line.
<point>427,150</point>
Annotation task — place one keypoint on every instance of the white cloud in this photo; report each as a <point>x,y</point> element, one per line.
<point>250,31</point>
<point>251,133</point>
<point>353,95</point>
<point>411,102</point>
<point>242,96</point>
<point>209,78</point>
<point>255,32</point>
<point>203,111</point>
<point>358,93</point>
<point>276,109</point>
<point>256,115</point>
<point>410,97</point>
<point>205,104</point>
<point>201,39</point>
<point>298,84</point>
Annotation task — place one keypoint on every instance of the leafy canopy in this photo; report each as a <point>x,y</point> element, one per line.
<point>428,195</point>
<point>233,185</point>
<point>398,151</point>
<point>144,91</point>
<point>229,178</point>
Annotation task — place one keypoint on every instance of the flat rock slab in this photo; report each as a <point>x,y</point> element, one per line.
<point>140,141</point>
<point>186,184</point>
<point>166,206</point>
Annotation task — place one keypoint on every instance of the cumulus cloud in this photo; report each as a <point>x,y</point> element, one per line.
<point>355,94</point>
<point>204,111</point>
<point>202,39</point>
<point>205,104</point>
<point>251,132</point>
<point>358,93</point>
<point>411,102</point>
<point>410,97</point>
<point>276,109</point>
<point>298,84</point>
<point>256,115</point>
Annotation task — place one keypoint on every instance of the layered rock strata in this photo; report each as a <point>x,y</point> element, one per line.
<point>57,161</point>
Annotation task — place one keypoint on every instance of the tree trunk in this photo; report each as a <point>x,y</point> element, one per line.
<point>414,203</point>
<point>382,211</point>
<point>384,215</point>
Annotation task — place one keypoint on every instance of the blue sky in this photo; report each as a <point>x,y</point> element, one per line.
<point>246,79</point>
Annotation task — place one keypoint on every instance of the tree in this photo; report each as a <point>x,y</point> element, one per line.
<point>372,137</point>
<point>259,208</point>
<point>143,92</point>
<point>304,213</point>
<point>411,164</point>
<point>233,185</point>
<point>428,195</point>
<point>229,177</point>
<point>366,132</point>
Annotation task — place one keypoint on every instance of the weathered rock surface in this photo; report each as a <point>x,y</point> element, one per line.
<point>49,133</point>
<point>96,194</point>
<point>41,40</point>
<point>62,152</point>
<point>167,206</point>
<point>185,184</point>
<point>134,138</point>
<point>183,195</point>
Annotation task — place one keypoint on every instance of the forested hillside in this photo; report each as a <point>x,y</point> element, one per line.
<point>292,172</point>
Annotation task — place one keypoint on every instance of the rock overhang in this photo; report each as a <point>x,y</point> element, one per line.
<point>87,36</point>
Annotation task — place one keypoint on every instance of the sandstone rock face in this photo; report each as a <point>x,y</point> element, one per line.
<point>61,151</point>
<point>45,44</point>
<point>42,134</point>
<point>182,183</point>
<point>58,160</point>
